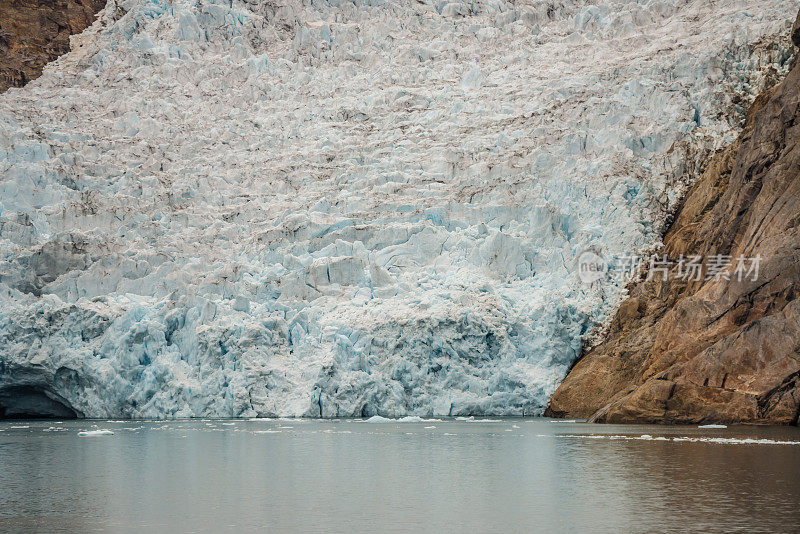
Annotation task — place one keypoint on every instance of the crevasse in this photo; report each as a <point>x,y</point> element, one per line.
<point>252,208</point>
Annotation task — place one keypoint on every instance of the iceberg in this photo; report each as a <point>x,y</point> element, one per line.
<point>241,208</point>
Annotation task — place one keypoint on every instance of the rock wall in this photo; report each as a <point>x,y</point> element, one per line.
<point>717,350</point>
<point>35,32</point>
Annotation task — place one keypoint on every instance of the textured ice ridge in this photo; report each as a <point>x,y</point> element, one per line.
<point>250,208</point>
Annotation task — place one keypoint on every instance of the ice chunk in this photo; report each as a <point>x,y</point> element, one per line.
<point>100,432</point>
<point>379,419</point>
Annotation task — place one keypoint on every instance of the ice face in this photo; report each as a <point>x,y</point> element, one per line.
<point>244,208</point>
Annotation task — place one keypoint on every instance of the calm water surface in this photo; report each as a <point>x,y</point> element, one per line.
<point>502,475</point>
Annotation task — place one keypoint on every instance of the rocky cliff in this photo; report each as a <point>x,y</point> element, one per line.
<point>717,349</point>
<point>35,32</point>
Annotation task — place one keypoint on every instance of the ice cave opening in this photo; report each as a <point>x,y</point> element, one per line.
<point>31,402</point>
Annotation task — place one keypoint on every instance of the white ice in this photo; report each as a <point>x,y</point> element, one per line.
<point>90,433</point>
<point>680,439</point>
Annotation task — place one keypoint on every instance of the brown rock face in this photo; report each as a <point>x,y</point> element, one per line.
<point>714,350</point>
<point>35,32</point>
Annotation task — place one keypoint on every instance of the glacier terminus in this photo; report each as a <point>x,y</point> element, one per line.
<point>328,208</point>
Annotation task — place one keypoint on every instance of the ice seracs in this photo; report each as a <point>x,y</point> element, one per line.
<point>247,208</point>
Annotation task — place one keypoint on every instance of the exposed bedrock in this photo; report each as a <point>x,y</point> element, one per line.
<point>714,350</point>
<point>35,32</point>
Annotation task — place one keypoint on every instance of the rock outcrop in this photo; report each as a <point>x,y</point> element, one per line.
<point>35,32</point>
<point>718,349</point>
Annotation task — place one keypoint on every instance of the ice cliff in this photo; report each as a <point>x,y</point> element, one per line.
<point>242,207</point>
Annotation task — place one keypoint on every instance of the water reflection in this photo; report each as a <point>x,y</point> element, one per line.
<point>313,476</point>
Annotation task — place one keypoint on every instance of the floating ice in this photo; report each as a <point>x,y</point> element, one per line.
<point>679,439</point>
<point>738,441</point>
<point>410,419</point>
<point>102,432</point>
<point>712,426</point>
<point>379,419</point>
<point>238,208</point>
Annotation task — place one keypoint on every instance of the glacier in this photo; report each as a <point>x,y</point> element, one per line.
<point>329,208</point>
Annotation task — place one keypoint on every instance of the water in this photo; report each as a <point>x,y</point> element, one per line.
<point>509,475</point>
